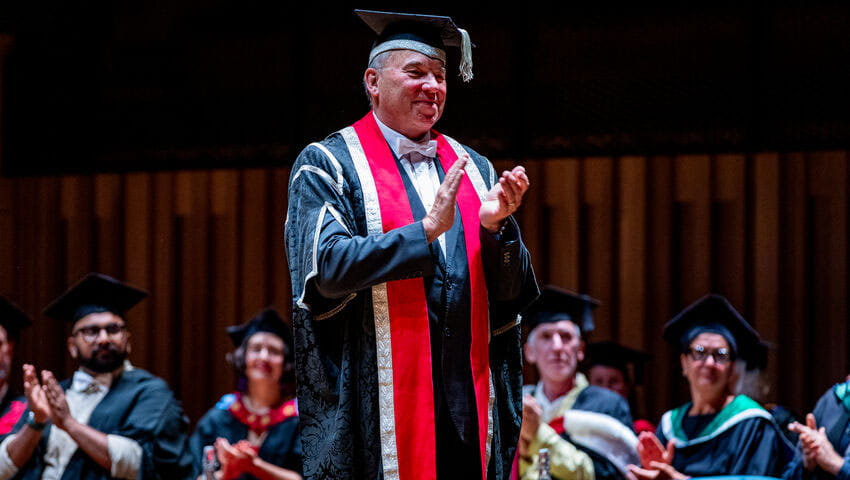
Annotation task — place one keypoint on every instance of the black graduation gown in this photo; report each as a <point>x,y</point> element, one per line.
<point>753,446</point>
<point>138,406</point>
<point>281,447</point>
<point>600,400</point>
<point>335,345</point>
<point>832,413</point>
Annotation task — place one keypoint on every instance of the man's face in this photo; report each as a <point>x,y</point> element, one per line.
<point>409,92</point>
<point>556,348</point>
<point>100,342</point>
<point>6,351</point>
<point>610,378</point>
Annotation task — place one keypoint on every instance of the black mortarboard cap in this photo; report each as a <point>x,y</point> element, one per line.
<point>95,293</point>
<point>426,34</point>
<point>612,354</point>
<point>269,320</point>
<point>555,304</point>
<point>12,318</point>
<point>714,314</point>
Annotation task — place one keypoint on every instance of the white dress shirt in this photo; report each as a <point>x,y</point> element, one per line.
<point>421,169</point>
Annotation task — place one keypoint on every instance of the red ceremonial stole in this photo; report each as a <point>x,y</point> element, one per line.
<point>405,390</point>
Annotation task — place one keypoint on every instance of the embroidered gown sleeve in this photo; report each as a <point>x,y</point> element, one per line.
<point>330,256</point>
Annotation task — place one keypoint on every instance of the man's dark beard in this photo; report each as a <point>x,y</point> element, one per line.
<point>104,362</point>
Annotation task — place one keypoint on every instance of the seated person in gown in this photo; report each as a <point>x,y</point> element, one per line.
<point>12,403</point>
<point>608,367</point>
<point>255,429</point>
<point>824,447</point>
<point>587,429</point>
<point>111,419</point>
<point>717,432</point>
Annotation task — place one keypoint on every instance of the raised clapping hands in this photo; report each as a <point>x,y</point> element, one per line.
<point>501,201</point>
<point>656,461</point>
<point>235,459</point>
<point>816,447</point>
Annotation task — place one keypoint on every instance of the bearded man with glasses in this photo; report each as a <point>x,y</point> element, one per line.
<point>111,420</point>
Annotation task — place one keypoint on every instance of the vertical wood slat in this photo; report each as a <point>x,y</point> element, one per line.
<point>632,251</point>
<point>663,376</point>
<point>193,281</point>
<point>599,255</point>
<point>7,237</point>
<point>828,187</point>
<point>765,294</point>
<point>560,183</point>
<point>163,301</point>
<point>282,293</point>
<point>693,192</point>
<point>109,224</point>
<point>729,229</point>
<point>77,204</point>
<point>137,259</point>
<point>225,273</point>
<point>533,210</point>
<point>796,355</point>
<point>254,242</point>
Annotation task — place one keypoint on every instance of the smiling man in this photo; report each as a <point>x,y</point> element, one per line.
<point>110,420</point>
<point>407,273</point>
<point>587,429</point>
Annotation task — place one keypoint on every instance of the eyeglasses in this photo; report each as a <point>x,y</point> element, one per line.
<point>90,334</point>
<point>721,356</point>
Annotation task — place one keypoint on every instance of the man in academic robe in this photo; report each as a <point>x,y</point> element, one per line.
<point>111,420</point>
<point>823,451</point>
<point>407,272</point>
<point>12,403</point>
<point>587,429</point>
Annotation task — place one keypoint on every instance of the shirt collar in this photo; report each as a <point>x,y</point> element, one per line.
<point>83,382</point>
<point>396,139</point>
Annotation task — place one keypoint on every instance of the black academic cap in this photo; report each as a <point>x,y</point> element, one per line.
<point>12,318</point>
<point>714,314</point>
<point>555,304</point>
<point>426,34</point>
<point>612,354</point>
<point>266,321</point>
<point>95,293</point>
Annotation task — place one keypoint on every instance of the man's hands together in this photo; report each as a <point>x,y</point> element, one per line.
<point>500,202</point>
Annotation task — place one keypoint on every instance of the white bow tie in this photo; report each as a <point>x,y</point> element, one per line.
<point>405,145</point>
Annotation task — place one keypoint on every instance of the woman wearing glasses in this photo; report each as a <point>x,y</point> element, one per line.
<point>254,431</point>
<point>718,432</point>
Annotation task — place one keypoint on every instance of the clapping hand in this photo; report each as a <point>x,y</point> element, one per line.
<point>503,199</point>
<point>816,447</point>
<point>36,398</point>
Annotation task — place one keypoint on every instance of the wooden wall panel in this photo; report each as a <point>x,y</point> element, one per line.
<point>828,187</point>
<point>255,245</point>
<point>645,235</point>
<point>794,342</point>
<point>559,180</point>
<point>598,249</point>
<point>765,291</point>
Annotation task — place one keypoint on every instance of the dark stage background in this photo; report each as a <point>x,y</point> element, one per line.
<point>673,151</point>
